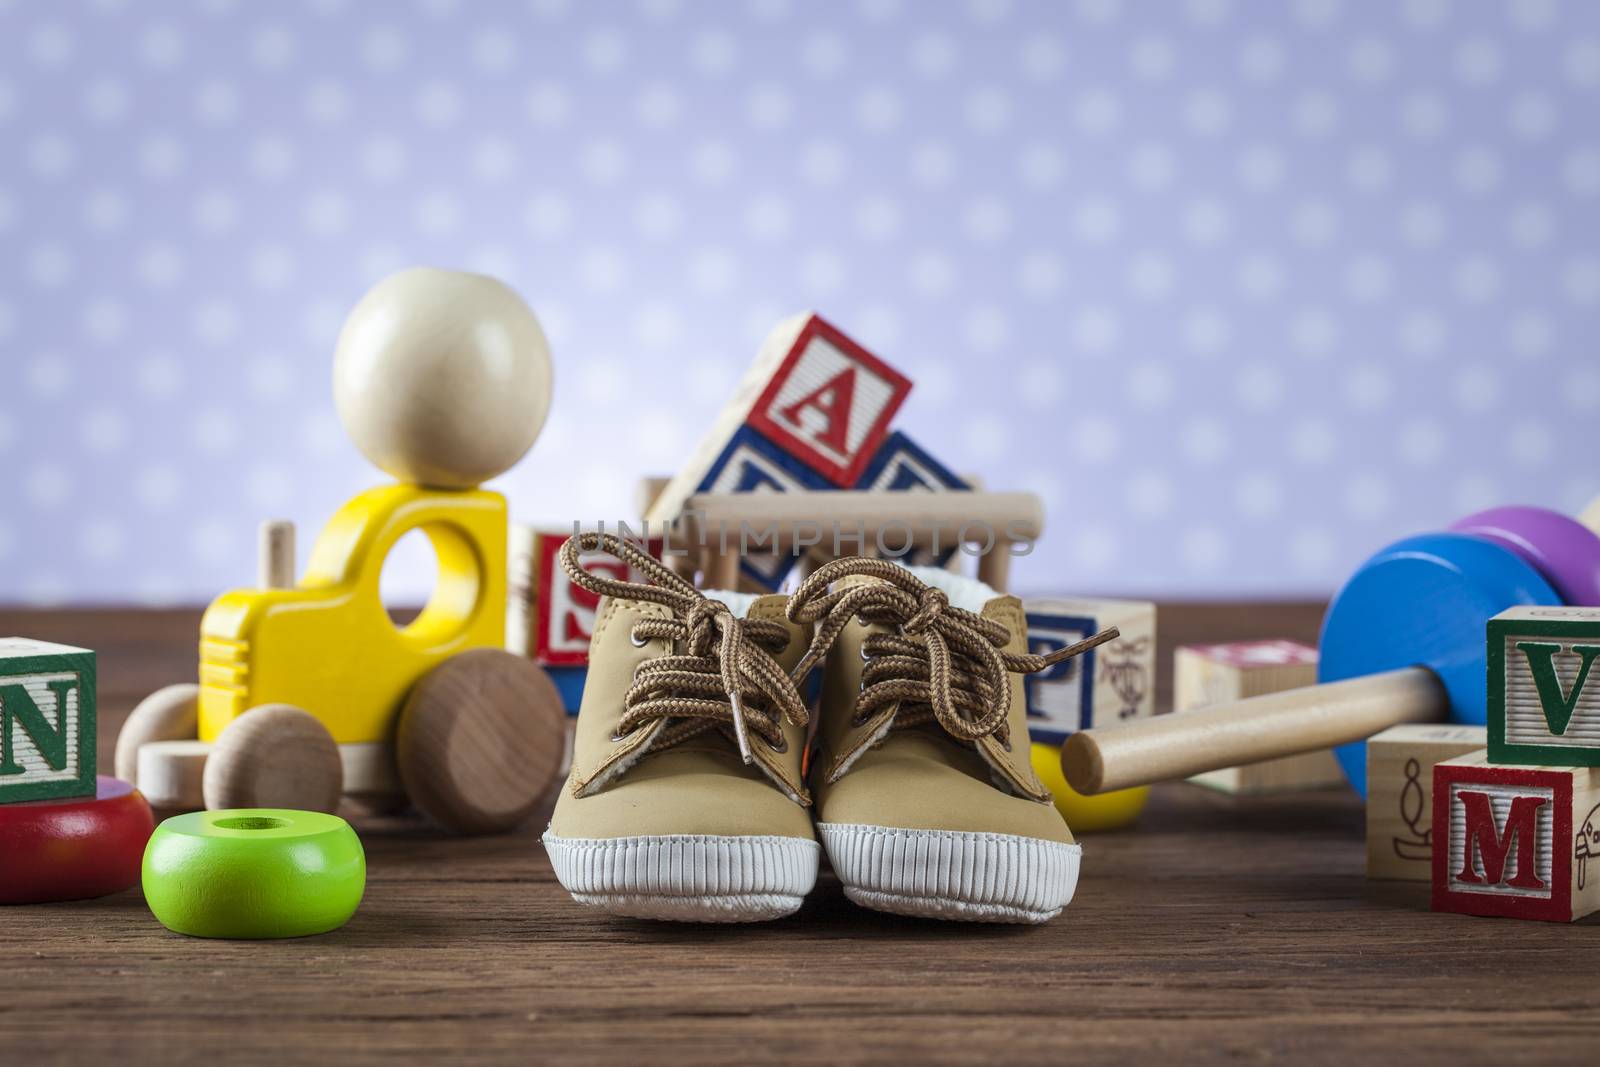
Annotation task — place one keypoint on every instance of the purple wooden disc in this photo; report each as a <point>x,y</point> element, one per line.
<point>1566,552</point>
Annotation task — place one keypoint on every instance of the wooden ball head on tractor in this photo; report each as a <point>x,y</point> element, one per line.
<point>308,692</point>
<point>1402,642</point>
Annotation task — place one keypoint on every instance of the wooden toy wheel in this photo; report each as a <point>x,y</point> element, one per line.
<point>480,741</point>
<point>168,714</point>
<point>274,756</point>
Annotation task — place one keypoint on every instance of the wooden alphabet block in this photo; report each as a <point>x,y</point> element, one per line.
<point>1216,674</point>
<point>901,465</point>
<point>1104,685</point>
<point>564,613</point>
<point>1400,764</point>
<point>47,720</point>
<point>815,395</point>
<point>1515,841</point>
<point>1544,686</point>
<point>753,464</point>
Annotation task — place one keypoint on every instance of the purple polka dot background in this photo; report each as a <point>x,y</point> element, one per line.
<point>1243,289</point>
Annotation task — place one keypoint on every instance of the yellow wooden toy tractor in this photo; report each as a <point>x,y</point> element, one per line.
<point>308,691</point>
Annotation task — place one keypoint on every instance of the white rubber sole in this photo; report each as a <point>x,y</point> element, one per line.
<point>687,877</point>
<point>948,874</point>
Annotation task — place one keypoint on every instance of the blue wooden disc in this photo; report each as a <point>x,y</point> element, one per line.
<point>1424,602</point>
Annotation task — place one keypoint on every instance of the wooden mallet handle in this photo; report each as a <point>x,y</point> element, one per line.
<point>1249,731</point>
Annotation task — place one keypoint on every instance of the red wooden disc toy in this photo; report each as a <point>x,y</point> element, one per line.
<point>76,848</point>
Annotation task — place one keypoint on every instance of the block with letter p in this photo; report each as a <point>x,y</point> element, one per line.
<point>1544,686</point>
<point>47,721</point>
<point>1104,685</point>
<point>1522,842</point>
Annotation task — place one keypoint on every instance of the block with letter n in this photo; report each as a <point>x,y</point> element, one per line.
<point>47,720</point>
<point>1544,686</point>
<point>1515,841</point>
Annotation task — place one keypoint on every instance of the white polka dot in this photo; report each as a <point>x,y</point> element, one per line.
<point>160,266</point>
<point>101,539</point>
<point>1151,386</point>
<point>1094,438</point>
<point>1531,225</point>
<point>1532,115</point>
<point>1151,167</point>
<point>1206,112</point>
<point>1476,389</point>
<point>658,216</point>
<point>1580,171</point>
<point>1477,170</point>
<point>1530,443</point>
<point>216,212</point>
<point>1039,274</point>
<point>270,487</point>
<point>714,52</point>
<point>604,161</point>
<point>159,376</point>
<point>1422,442</point>
<point>1370,60</point>
<point>768,217</point>
<point>1261,59</point>
<point>1367,496</point>
<point>1478,61</point>
<point>822,271</point>
<point>1424,224</point>
<point>934,273</point>
<point>48,486</point>
<point>1044,57</point>
<point>1204,549</point>
<point>1150,495</point>
<point>103,211</point>
<point>1097,110</point>
<point>1258,495</point>
<point>272,47</point>
<point>878,218</point>
<point>1260,387</point>
<point>1261,168</point>
<point>1368,277</point>
<point>658,106</point>
<point>51,45</point>
<point>1042,165</point>
<point>932,164</point>
<point>937,384</point>
<point>1532,15</point>
<point>1530,334</point>
<point>878,108</point>
<point>1314,114</point>
<point>1312,441</point>
<point>988,109</point>
<point>161,46</point>
<point>1206,222</point>
<point>1151,275</point>
<point>1582,394</point>
<point>161,156</point>
<point>1153,58</point>
<point>1096,329</point>
<point>1311,549</point>
<point>713,162</point>
<point>1095,220</point>
<point>327,102</point>
<point>1423,333</point>
<point>1369,169</point>
<point>1095,546</point>
<point>602,270</point>
<point>383,158</point>
<point>272,156</point>
<point>269,377</point>
<point>49,375</point>
<point>548,104</point>
<point>1582,62</point>
<point>1368,387</point>
<point>213,540</point>
<point>104,100</point>
<point>105,321</point>
<point>986,437</point>
<point>1205,331</point>
<point>51,155</point>
<point>215,322</point>
<point>1424,115</point>
<point>713,271</point>
<point>822,54</point>
<point>1260,276</point>
<point>438,104</point>
<point>1476,279</point>
<point>1204,441</point>
<point>1313,332</point>
<point>768,107</point>
<point>987,220</point>
<point>494,50</point>
<point>1474,492</point>
<point>1039,384</point>
<point>604,51</point>
<point>987,328</point>
<point>1580,280</point>
<point>933,54</point>
<point>1427,14</point>
<point>50,264</point>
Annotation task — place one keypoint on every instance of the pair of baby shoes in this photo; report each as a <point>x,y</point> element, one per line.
<point>700,786</point>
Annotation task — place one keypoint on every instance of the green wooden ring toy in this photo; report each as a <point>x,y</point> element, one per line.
<point>254,873</point>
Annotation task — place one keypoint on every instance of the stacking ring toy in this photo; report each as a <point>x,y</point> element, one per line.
<point>254,873</point>
<point>73,848</point>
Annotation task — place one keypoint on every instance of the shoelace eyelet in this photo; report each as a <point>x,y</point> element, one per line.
<point>638,642</point>
<point>782,746</point>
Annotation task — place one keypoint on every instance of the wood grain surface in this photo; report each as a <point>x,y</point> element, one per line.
<point>1221,929</point>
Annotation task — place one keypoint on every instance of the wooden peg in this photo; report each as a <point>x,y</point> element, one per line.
<point>275,569</point>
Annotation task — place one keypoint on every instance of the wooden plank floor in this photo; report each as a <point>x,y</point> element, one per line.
<point>1220,929</point>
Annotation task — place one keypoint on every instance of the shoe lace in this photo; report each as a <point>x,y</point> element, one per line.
<point>721,674</point>
<point>943,664</point>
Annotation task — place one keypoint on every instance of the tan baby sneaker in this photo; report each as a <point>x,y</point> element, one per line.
<point>686,799</point>
<point>925,797</point>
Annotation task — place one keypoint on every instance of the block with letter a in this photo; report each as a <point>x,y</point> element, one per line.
<point>1544,686</point>
<point>1515,841</point>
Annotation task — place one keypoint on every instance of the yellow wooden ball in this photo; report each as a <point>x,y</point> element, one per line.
<point>1104,811</point>
<point>442,378</point>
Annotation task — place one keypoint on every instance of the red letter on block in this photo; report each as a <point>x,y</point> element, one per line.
<point>1481,832</point>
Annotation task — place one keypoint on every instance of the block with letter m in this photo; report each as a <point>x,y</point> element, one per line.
<point>1515,841</point>
<point>47,720</point>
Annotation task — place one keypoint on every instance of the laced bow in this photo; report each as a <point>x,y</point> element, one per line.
<point>721,674</point>
<point>944,663</point>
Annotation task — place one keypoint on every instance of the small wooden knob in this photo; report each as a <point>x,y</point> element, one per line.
<point>480,741</point>
<point>274,756</point>
<point>168,714</point>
